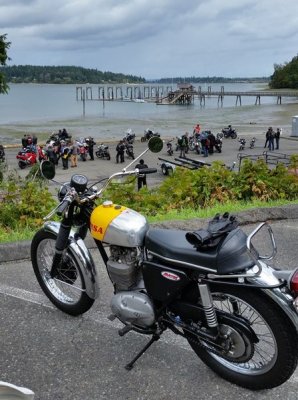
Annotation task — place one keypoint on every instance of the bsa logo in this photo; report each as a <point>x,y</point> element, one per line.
<point>170,276</point>
<point>95,228</point>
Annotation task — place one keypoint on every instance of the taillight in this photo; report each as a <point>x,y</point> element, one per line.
<point>294,282</point>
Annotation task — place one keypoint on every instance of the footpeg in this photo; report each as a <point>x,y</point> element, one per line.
<point>123,331</point>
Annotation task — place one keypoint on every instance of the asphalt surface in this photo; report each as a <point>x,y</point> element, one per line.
<point>67,358</point>
<point>72,358</point>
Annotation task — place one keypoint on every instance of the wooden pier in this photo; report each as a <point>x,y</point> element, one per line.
<point>186,94</point>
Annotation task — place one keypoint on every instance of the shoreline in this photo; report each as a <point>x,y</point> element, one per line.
<point>247,120</point>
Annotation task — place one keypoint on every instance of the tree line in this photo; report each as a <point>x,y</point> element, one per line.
<point>64,74</point>
<point>285,75</point>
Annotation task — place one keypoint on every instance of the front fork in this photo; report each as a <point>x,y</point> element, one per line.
<point>62,241</point>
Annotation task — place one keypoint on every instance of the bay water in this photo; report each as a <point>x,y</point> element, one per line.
<point>43,109</point>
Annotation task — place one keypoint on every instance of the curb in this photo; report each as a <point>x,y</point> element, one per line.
<point>17,251</point>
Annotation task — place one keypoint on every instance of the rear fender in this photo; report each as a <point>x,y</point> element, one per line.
<point>82,256</point>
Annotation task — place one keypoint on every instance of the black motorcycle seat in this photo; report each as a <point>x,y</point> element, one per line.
<point>230,256</point>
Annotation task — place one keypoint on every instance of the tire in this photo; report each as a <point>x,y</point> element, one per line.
<point>164,170</point>
<point>97,153</point>
<point>272,360</point>
<point>66,291</point>
<point>22,164</point>
<point>233,135</point>
<point>108,157</point>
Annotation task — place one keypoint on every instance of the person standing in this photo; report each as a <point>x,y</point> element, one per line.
<point>183,144</point>
<point>74,154</point>
<point>120,151</point>
<point>196,131</point>
<point>277,137</point>
<point>142,181</point>
<point>91,144</point>
<point>271,139</point>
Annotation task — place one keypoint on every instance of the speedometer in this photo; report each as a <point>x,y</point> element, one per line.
<point>79,183</point>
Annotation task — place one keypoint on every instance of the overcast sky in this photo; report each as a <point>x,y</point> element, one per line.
<point>154,38</point>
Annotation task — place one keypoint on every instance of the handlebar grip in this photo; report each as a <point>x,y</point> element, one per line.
<point>63,206</point>
<point>146,171</point>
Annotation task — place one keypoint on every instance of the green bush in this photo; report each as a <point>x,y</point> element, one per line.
<point>210,186</point>
<point>24,203</point>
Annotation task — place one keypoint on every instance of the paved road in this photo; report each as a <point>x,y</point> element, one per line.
<point>97,169</point>
<point>67,358</point>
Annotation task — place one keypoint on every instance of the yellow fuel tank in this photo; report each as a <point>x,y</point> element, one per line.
<point>118,225</point>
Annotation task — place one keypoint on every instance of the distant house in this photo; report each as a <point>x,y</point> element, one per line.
<point>187,87</point>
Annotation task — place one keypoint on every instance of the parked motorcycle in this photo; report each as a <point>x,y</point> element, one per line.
<point>129,136</point>
<point>242,142</point>
<point>210,286</point>
<point>252,143</point>
<point>26,158</point>
<point>229,132</point>
<point>103,152</point>
<point>170,151</point>
<point>129,151</point>
<point>82,149</point>
<point>148,134</point>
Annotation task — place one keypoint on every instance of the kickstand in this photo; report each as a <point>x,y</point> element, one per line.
<point>154,338</point>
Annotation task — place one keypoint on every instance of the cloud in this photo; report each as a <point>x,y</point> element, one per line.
<point>153,38</point>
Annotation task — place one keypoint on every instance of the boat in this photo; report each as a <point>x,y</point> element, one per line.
<point>138,100</point>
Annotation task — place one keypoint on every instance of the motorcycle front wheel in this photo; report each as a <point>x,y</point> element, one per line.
<point>67,290</point>
<point>256,366</point>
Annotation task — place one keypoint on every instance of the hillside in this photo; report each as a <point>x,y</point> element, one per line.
<point>64,74</point>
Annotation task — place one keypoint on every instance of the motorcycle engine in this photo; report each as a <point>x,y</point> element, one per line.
<point>123,267</point>
<point>130,303</point>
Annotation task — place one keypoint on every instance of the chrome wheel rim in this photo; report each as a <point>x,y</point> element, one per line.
<point>67,287</point>
<point>265,351</point>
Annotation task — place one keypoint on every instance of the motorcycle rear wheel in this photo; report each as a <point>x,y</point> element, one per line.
<point>67,291</point>
<point>266,364</point>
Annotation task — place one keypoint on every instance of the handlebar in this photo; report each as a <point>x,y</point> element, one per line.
<point>63,205</point>
<point>146,171</point>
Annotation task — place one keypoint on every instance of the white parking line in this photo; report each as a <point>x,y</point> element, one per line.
<point>99,317</point>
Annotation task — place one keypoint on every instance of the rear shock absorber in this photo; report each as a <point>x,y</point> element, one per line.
<point>207,303</point>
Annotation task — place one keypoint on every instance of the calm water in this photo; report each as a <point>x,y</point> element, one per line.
<point>55,106</point>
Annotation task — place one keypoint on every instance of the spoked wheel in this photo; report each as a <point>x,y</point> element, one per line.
<point>67,289</point>
<point>264,364</point>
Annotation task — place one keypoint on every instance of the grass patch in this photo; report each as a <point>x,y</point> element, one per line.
<point>209,212</point>
<point>26,233</point>
<point>16,235</point>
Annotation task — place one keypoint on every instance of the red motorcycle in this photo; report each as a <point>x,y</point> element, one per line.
<point>26,157</point>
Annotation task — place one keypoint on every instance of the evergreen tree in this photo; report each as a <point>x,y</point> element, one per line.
<point>4,46</point>
<point>285,75</point>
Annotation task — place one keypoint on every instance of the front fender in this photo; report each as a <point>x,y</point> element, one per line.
<point>83,257</point>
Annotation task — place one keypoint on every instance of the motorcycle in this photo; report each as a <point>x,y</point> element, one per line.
<point>170,151</point>
<point>103,152</point>
<point>26,157</point>
<point>211,286</point>
<point>242,142</point>
<point>148,134</point>
<point>252,143</point>
<point>129,136</point>
<point>129,151</point>
<point>229,132</point>
<point>82,149</point>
